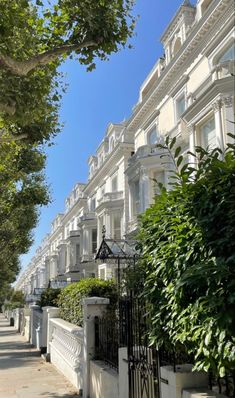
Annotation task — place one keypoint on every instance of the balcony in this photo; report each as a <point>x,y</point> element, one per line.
<point>87,216</point>
<point>74,233</point>
<point>223,69</point>
<point>145,151</point>
<point>88,257</point>
<point>110,197</point>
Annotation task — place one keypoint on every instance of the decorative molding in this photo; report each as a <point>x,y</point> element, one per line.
<point>216,106</point>
<point>204,32</point>
<point>227,101</point>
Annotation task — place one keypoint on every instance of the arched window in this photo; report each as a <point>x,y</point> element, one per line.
<point>153,137</point>
<point>228,55</point>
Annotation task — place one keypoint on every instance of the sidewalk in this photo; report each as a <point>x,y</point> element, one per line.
<point>23,374</point>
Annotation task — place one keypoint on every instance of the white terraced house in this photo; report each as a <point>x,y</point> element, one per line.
<point>189,94</point>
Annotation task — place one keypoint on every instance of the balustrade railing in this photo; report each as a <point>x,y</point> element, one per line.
<point>110,197</point>
<point>68,341</point>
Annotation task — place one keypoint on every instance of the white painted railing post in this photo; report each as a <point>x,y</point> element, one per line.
<point>32,331</point>
<point>44,328</point>
<point>52,312</point>
<point>17,319</point>
<point>92,307</point>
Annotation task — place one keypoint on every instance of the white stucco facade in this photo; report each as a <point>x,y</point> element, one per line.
<point>189,94</point>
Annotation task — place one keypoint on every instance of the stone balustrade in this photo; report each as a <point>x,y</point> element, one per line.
<point>66,350</point>
<point>110,197</point>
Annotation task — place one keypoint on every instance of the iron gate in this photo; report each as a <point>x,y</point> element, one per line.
<point>142,359</point>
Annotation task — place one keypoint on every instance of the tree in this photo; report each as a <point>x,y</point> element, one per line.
<point>188,245</point>
<point>35,40</point>
<point>22,191</point>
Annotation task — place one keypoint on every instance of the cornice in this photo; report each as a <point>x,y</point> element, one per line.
<point>120,151</point>
<point>218,89</point>
<point>113,204</point>
<point>77,204</point>
<point>202,32</point>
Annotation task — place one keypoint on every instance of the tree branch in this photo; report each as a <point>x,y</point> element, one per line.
<point>9,137</point>
<point>22,68</point>
<point>13,138</point>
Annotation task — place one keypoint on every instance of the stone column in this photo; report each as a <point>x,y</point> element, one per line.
<point>47,266</point>
<point>92,307</point>
<point>144,189</point>
<point>216,106</point>
<point>62,258</point>
<point>192,144</point>
<point>229,120</point>
<point>54,266</point>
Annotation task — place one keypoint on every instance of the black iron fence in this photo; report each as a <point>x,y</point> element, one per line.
<point>223,385</point>
<point>129,327</point>
<point>106,339</point>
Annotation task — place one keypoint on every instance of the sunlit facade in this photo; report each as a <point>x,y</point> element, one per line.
<point>189,94</point>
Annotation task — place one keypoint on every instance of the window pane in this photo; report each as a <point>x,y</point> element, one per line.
<point>229,54</point>
<point>180,106</point>
<point>136,198</point>
<point>152,137</point>
<point>116,226</point>
<point>114,184</point>
<point>94,240</point>
<point>93,204</point>
<point>209,134</point>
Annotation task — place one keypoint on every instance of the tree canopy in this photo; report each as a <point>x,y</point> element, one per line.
<point>35,40</point>
<point>188,243</point>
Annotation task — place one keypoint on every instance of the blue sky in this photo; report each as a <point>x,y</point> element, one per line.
<point>95,99</point>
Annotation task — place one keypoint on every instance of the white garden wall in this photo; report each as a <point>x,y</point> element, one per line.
<point>103,381</point>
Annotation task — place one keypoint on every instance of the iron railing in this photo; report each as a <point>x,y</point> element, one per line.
<point>106,339</point>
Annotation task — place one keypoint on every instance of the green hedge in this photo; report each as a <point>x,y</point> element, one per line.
<point>11,305</point>
<point>70,298</point>
<point>49,297</point>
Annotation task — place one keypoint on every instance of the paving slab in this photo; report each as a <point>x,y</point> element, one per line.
<point>23,373</point>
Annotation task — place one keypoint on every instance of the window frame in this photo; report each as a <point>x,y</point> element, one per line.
<point>200,140</point>
<point>114,177</point>
<point>181,94</point>
<point>149,130</point>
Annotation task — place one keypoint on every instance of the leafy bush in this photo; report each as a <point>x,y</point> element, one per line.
<point>70,298</point>
<point>12,305</point>
<point>16,300</point>
<point>188,244</point>
<point>49,297</point>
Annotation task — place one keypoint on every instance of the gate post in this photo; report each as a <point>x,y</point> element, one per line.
<point>123,372</point>
<point>92,307</point>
